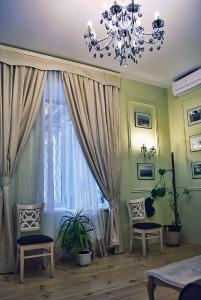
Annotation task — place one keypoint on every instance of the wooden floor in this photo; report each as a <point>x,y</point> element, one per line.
<point>111,278</point>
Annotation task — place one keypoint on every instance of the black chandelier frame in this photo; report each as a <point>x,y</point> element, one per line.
<point>125,33</point>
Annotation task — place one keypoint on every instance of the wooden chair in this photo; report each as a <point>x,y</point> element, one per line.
<point>143,231</point>
<point>30,219</point>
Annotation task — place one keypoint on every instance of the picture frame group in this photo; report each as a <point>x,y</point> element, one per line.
<point>196,169</point>
<point>194,116</point>
<point>143,120</point>
<point>145,171</point>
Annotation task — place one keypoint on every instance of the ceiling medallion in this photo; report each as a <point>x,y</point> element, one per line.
<point>125,33</point>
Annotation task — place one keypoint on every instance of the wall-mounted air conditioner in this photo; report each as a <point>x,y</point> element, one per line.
<point>187,83</point>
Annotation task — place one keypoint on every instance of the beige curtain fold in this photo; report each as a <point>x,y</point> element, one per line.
<point>21,90</point>
<point>94,110</point>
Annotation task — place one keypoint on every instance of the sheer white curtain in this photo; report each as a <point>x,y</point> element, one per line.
<point>68,182</point>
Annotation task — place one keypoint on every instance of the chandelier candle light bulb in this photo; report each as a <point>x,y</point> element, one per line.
<point>156,15</point>
<point>123,24</point>
<point>119,44</point>
<point>105,6</point>
<point>94,34</point>
<point>89,24</point>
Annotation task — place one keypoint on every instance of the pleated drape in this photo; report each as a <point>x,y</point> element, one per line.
<point>94,109</point>
<point>21,90</point>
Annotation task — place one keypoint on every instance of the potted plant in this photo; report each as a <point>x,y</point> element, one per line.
<point>171,231</point>
<point>74,235</point>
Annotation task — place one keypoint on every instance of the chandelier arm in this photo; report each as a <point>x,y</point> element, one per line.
<point>151,34</point>
<point>103,39</point>
<point>146,35</point>
<point>101,49</point>
<point>153,43</point>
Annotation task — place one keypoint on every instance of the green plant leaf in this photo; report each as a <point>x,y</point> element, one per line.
<point>161,171</point>
<point>186,191</point>
<point>154,193</point>
<point>161,192</point>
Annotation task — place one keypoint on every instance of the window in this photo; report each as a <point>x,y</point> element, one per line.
<point>67,178</point>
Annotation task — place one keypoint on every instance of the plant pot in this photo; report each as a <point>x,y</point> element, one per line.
<point>172,238</point>
<point>84,258</point>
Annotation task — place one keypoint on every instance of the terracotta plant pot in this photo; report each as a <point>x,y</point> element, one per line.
<point>172,238</point>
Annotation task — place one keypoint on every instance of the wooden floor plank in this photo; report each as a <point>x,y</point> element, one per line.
<point>111,278</point>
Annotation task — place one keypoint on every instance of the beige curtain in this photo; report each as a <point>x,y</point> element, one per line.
<point>94,110</point>
<point>21,90</point>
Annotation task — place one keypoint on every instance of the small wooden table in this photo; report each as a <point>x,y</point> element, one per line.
<point>175,275</point>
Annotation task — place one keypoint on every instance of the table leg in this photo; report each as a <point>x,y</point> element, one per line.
<point>151,287</point>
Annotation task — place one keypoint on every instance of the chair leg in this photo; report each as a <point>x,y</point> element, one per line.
<point>17,261</point>
<point>144,247</point>
<point>43,261</point>
<point>52,260</point>
<point>131,241</point>
<point>146,241</point>
<point>161,240</point>
<point>21,264</point>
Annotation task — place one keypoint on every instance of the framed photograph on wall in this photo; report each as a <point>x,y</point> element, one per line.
<point>194,116</point>
<point>196,169</point>
<point>143,120</point>
<point>195,143</point>
<point>145,171</point>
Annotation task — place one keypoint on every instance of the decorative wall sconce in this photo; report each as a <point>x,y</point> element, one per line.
<point>147,152</point>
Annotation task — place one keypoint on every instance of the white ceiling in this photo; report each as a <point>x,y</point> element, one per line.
<point>56,27</point>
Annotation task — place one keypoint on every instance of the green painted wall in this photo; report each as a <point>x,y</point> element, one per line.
<point>180,131</point>
<point>173,135</point>
<point>131,92</point>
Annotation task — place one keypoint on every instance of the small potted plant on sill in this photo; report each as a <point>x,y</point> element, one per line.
<point>172,232</point>
<point>74,235</point>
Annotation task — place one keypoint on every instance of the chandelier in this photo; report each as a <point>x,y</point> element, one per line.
<point>125,33</point>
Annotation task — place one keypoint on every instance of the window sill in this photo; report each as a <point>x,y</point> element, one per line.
<point>62,210</point>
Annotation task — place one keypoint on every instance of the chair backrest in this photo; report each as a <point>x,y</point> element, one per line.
<point>136,209</point>
<point>29,218</point>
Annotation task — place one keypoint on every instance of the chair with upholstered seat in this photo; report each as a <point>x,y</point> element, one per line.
<point>30,219</point>
<point>142,230</point>
<point>191,291</point>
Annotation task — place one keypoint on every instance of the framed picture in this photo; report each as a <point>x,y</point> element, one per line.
<point>196,169</point>
<point>194,116</point>
<point>143,120</point>
<point>195,143</point>
<point>145,171</point>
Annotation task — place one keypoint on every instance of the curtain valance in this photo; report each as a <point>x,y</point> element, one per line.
<point>17,57</point>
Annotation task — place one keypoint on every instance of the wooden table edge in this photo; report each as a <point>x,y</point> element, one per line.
<point>153,281</point>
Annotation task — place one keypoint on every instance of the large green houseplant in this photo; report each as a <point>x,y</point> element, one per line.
<point>172,231</point>
<point>74,235</point>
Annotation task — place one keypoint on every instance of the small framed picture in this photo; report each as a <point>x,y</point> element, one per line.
<point>195,143</point>
<point>194,116</point>
<point>145,171</point>
<point>196,169</point>
<point>143,120</point>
